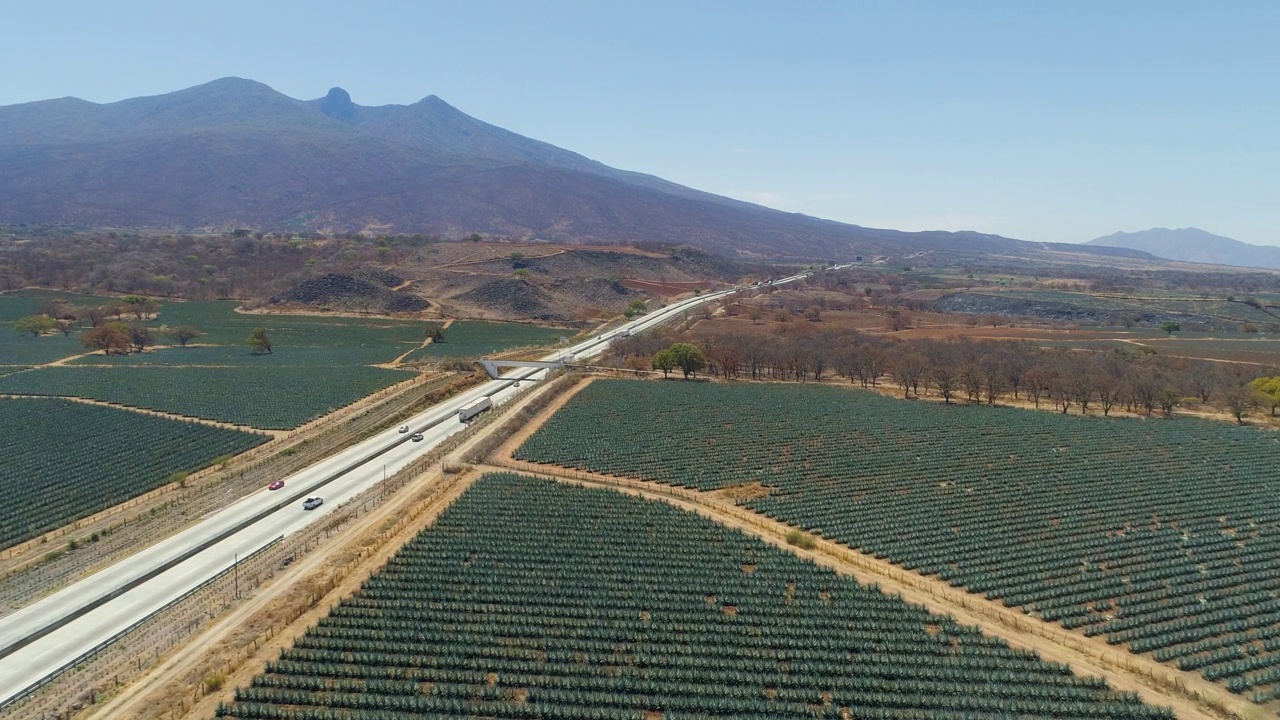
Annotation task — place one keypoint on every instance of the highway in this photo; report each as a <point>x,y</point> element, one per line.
<point>56,630</point>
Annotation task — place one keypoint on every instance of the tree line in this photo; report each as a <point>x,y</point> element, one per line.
<point>987,371</point>
<point>112,332</point>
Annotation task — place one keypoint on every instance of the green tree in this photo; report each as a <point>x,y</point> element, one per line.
<point>140,305</point>
<point>688,358</point>
<point>663,360</point>
<point>1170,327</point>
<point>37,325</point>
<point>1268,390</point>
<point>259,340</point>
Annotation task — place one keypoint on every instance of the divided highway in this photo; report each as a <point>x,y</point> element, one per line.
<point>49,634</point>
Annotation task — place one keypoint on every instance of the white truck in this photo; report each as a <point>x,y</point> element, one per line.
<point>470,411</point>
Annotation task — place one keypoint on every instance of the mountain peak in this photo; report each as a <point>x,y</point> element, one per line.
<point>236,153</point>
<point>337,104</point>
<point>1191,244</point>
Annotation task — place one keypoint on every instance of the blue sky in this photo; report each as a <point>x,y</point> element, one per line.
<point>1057,121</point>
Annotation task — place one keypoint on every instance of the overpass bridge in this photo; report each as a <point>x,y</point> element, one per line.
<point>493,366</point>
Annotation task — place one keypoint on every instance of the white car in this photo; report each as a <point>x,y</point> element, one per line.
<point>404,428</point>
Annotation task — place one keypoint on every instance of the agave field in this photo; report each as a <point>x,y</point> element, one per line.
<point>337,358</point>
<point>1159,535</point>
<point>530,599</point>
<point>25,349</point>
<point>14,305</point>
<point>473,338</point>
<point>222,325</point>
<point>260,397</point>
<point>105,456</point>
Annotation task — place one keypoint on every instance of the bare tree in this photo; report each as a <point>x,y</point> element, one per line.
<point>1168,398</point>
<point>1237,401</point>
<point>1036,381</point>
<point>943,377</point>
<point>1205,380</point>
<point>909,368</point>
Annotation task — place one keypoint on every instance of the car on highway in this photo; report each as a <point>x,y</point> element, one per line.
<point>276,485</point>
<point>416,437</point>
<point>312,503</point>
<point>404,428</point>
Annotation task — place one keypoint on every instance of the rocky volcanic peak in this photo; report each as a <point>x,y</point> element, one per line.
<point>236,153</point>
<point>337,104</point>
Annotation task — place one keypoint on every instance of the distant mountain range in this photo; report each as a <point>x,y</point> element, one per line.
<point>1194,245</point>
<point>235,153</point>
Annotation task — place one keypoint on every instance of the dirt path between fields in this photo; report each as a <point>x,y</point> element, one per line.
<point>509,446</point>
<point>254,622</point>
<point>1189,695</point>
<point>396,363</point>
<point>350,557</point>
<point>19,557</point>
<point>156,413</point>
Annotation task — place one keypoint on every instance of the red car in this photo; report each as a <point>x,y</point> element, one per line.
<point>276,485</point>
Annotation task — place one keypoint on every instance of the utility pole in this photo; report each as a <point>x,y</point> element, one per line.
<point>236,566</point>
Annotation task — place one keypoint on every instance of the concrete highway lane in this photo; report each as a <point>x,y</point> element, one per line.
<point>48,634</point>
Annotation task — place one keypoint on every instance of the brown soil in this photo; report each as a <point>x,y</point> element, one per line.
<point>749,491</point>
<point>508,448</point>
<point>19,557</point>
<point>257,623</point>
<point>396,363</point>
<point>1189,694</point>
<point>257,626</point>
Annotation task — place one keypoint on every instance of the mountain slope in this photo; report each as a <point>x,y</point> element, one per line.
<point>235,153</point>
<point>1194,245</point>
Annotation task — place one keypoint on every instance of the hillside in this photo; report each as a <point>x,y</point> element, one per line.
<point>236,153</point>
<point>1193,245</point>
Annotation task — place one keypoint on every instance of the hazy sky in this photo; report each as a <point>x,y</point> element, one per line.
<point>1054,121</point>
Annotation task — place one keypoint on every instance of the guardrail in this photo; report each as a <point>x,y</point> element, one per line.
<point>643,324</point>
<point>210,542</point>
<point>90,653</point>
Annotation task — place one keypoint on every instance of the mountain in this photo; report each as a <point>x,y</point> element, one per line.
<point>1194,245</point>
<point>236,153</point>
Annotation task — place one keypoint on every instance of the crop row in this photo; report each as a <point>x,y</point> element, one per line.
<point>62,460</point>
<point>243,356</point>
<point>24,349</point>
<point>1159,535</point>
<point>532,599</point>
<point>262,397</point>
<point>223,326</point>
<point>470,338</point>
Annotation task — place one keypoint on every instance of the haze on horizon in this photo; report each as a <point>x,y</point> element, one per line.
<point>1055,123</point>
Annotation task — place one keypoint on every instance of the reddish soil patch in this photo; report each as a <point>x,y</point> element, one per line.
<point>748,491</point>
